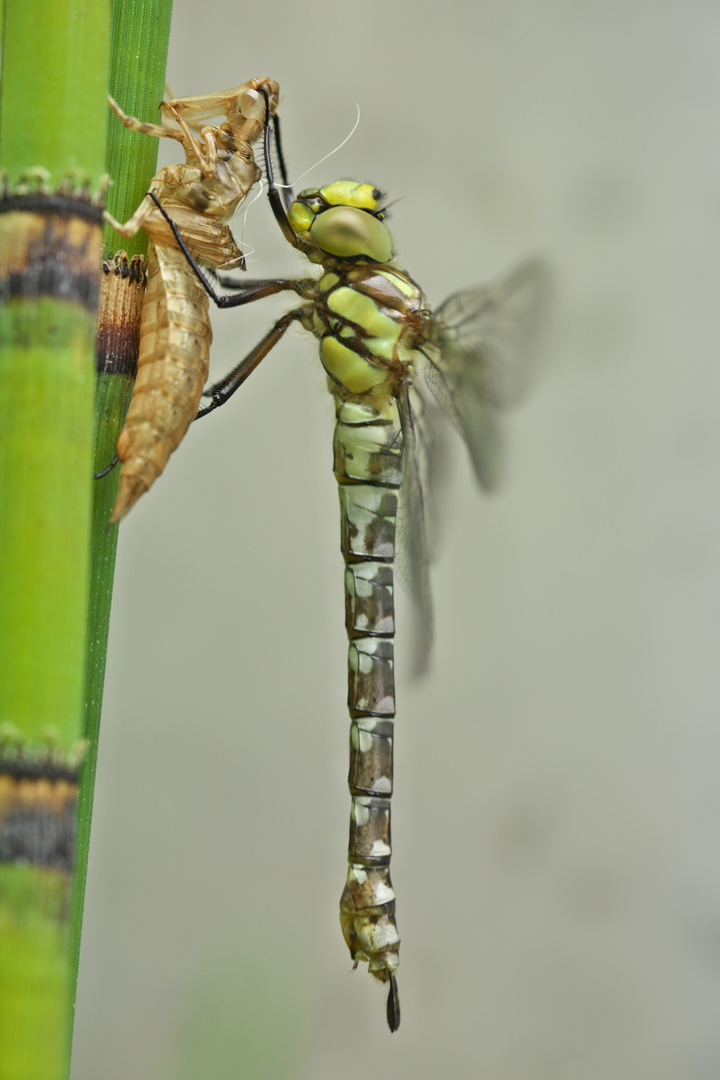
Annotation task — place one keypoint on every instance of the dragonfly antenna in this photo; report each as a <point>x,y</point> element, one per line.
<point>249,249</point>
<point>330,154</point>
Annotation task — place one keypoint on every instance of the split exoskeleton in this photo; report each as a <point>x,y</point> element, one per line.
<point>201,195</point>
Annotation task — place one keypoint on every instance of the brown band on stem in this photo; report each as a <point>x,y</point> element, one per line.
<point>122,290</point>
<point>44,203</point>
<point>49,246</point>
<point>38,798</point>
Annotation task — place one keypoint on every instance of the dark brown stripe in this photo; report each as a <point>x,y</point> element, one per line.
<point>37,820</point>
<point>122,291</point>
<point>20,767</point>
<point>50,246</point>
<point>63,206</point>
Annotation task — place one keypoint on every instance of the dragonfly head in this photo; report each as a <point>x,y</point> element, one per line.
<point>344,220</point>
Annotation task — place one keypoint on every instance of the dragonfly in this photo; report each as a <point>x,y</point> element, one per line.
<point>175,333</point>
<point>380,343</point>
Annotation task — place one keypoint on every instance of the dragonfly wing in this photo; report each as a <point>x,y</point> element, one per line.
<point>432,448</point>
<point>478,358</point>
<point>411,560</point>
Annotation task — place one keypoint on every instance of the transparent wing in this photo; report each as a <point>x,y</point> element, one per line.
<point>411,559</point>
<point>432,450</point>
<point>478,358</point>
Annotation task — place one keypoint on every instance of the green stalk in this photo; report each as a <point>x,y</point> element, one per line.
<point>140,35</point>
<point>52,148</point>
<point>55,65</point>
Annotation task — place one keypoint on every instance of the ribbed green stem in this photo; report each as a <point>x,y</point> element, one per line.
<point>52,135</point>
<point>54,79</point>
<point>140,35</point>
<point>33,964</point>
<point>141,31</point>
<point>44,452</point>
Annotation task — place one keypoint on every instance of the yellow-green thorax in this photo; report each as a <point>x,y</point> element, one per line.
<point>369,320</point>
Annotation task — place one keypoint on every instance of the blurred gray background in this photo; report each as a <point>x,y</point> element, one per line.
<point>557,810</point>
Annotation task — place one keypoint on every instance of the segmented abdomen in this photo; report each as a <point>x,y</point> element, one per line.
<point>175,338</point>
<point>368,450</point>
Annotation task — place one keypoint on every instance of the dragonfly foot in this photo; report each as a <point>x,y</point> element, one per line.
<point>109,469</point>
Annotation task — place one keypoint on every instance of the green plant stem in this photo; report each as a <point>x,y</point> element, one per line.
<point>52,140</point>
<point>44,527</point>
<point>54,79</point>
<point>141,32</point>
<point>33,962</point>
<point>140,36</point>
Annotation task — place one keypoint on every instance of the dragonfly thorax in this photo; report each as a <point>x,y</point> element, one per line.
<point>342,220</point>
<point>369,320</point>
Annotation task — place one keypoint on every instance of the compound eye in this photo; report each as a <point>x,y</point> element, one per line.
<point>348,232</point>
<point>252,105</point>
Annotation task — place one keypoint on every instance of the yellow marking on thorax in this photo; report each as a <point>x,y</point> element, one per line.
<point>328,281</point>
<point>362,310</point>
<point>349,369</point>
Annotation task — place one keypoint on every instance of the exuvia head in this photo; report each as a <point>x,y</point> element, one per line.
<point>343,219</point>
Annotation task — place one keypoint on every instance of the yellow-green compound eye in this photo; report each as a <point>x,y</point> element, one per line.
<point>347,232</point>
<point>350,193</point>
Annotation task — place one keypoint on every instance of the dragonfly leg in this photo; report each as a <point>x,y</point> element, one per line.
<point>251,291</point>
<point>208,165</point>
<point>143,212</point>
<point>261,287</point>
<point>160,131</point>
<point>223,390</point>
<point>276,202</point>
<point>108,469</point>
<point>287,189</point>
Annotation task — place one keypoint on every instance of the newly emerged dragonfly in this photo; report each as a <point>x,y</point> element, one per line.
<point>175,334</point>
<point>378,337</point>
